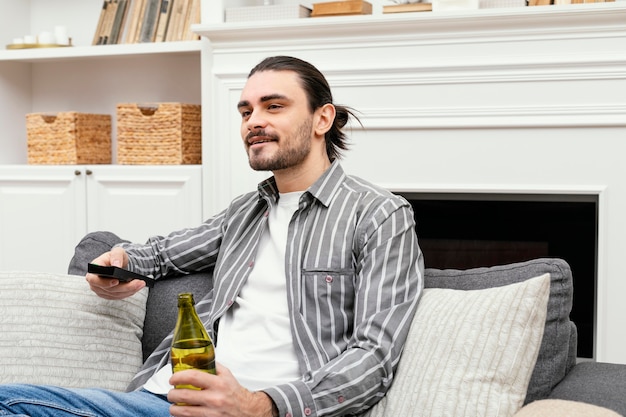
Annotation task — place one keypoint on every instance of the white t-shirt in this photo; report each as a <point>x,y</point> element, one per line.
<point>255,340</point>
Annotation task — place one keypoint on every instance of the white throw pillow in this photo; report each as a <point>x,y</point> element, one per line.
<point>55,331</point>
<point>469,353</point>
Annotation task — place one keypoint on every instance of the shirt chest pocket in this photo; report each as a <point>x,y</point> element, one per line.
<point>328,301</point>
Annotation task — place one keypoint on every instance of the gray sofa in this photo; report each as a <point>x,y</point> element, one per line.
<point>556,375</point>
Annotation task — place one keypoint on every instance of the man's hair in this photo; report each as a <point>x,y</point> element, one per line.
<point>318,92</point>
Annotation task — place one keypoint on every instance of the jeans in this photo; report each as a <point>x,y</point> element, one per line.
<point>46,401</point>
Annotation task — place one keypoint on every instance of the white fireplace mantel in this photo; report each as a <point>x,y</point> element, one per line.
<point>523,100</point>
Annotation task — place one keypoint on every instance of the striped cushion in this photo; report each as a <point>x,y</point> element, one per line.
<point>469,353</point>
<point>54,330</point>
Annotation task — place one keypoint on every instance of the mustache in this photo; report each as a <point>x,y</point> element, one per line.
<point>260,132</point>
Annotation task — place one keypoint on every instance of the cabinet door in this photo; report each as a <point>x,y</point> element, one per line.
<point>42,217</point>
<point>137,202</point>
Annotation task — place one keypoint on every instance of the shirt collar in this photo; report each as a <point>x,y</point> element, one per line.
<point>323,189</point>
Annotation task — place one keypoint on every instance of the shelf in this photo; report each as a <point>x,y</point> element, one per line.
<point>100,51</point>
<point>519,21</point>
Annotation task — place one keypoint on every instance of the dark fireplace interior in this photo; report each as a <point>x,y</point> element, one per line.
<point>464,231</point>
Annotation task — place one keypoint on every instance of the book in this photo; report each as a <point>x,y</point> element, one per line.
<point>100,26</point>
<point>408,7</point>
<point>108,22</point>
<point>164,19</point>
<point>177,20</point>
<point>140,14</point>
<point>193,16</point>
<point>118,22</point>
<point>341,8</point>
<point>133,19</point>
<point>150,21</point>
<point>184,17</point>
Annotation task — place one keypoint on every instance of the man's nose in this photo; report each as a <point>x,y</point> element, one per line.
<point>256,121</point>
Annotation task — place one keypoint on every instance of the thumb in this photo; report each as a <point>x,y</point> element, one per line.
<point>119,257</point>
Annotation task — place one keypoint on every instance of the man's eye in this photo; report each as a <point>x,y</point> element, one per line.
<point>245,114</point>
<point>274,106</point>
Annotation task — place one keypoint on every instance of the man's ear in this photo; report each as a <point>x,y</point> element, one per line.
<point>324,119</point>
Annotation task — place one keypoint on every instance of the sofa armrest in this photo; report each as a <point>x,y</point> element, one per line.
<point>599,383</point>
<point>161,307</point>
<point>89,248</point>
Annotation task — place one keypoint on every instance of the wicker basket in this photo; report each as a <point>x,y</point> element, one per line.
<point>68,138</point>
<point>160,134</point>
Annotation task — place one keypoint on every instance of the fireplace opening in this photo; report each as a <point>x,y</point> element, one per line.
<point>462,231</point>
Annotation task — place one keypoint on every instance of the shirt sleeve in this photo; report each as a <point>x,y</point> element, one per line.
<point>181,252</point>
<point>389,280</point>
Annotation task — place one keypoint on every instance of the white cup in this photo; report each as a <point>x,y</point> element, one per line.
<point>62,39</point>
<point>30,39</point>
<point>46,38</point>
<point>60,34</point>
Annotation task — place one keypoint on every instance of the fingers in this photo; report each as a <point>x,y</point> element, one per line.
<point>113,289</point>
<point>199,379</point>
<point>219,395</point>
<point>188,396</point>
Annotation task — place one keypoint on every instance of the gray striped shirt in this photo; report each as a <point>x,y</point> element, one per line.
<point>354,275</point>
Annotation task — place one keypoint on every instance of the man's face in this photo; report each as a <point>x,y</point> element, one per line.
<point>276,124</point>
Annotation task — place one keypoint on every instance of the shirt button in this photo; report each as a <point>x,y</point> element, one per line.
<point>288,415</point>
<point>251,264</point>
<point>267,213</point>
<point>230,303</point>
<point>307,411</point>
<point>341,399</point>
<point>329,279</point>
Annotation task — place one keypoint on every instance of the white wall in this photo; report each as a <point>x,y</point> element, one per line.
<point>504,101</point>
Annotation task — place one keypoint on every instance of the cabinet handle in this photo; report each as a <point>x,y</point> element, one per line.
<point>77,172</point>
<point>88,172</point>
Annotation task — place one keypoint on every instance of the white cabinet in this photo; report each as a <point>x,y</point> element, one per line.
<point>45,211</point>
<point>42,216</point>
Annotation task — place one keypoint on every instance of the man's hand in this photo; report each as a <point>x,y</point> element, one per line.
<point>113,289</point>
<point>220,395</point>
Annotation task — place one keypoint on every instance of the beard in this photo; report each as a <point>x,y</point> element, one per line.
<point>291,151</point>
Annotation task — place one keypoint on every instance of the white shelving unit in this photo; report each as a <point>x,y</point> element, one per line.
<point>59,204</point>
<point>83,77</point>
<point>37,55</point>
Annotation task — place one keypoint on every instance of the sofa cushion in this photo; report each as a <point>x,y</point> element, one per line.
<point>599,383</point>
<point>161,307</point>
<point>56,331</point>
<point>562,408</point>
<point>469,353</point>
<point>555,358</point>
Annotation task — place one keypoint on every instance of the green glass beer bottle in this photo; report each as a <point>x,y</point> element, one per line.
<point>192,347</point>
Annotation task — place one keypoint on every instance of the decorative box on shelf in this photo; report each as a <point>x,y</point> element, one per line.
<point>341,8</point>
<point>268,12</point>
<point>159,134</point>
<point>68,138</point>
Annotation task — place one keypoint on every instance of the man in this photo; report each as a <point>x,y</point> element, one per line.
<point>316,275</point>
